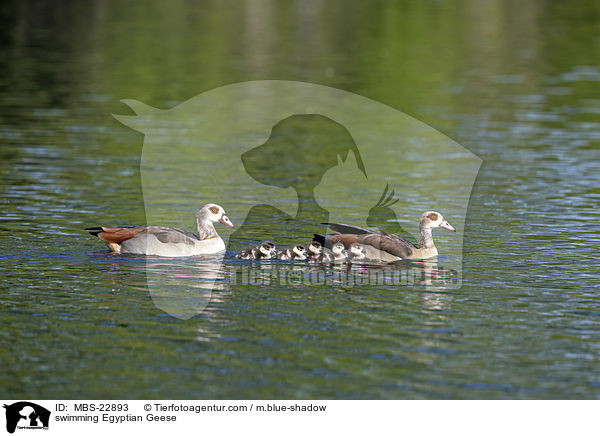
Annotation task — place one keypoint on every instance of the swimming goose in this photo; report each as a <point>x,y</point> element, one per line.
<point>316,253</point>
<point>167,241</point>
<point>264,251</point>
<point>314,250</point>
<point>324,257</point>
<point>298,252</point>
<point>357,252</point>
<point>338,252</point>
<point>387,247</point>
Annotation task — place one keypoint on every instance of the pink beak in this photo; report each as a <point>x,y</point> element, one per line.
<point>447,226</point>
<point>226,221</point>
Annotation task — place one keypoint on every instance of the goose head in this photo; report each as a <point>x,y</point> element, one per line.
<point>337,248</point>
<point>431,219</point>
<point>315,247</point>
<point>299,250</point>
<point>213,213</point>
<point>267,248</point>
<point>358,250</point>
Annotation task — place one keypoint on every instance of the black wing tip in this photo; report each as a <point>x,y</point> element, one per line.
<point>319,238</point>
<point>331,224</point>
<point>94,231</point>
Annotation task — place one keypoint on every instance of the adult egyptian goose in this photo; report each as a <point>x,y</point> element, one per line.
<point>387,247</point>
<point>167,241</point>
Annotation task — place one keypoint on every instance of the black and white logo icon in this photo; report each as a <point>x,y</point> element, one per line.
<point>26,415</point>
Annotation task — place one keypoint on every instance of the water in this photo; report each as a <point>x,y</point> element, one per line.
<point>516,84</point>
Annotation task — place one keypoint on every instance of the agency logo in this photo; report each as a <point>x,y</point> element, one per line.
<point>283,157</point>
<point>26,415</point>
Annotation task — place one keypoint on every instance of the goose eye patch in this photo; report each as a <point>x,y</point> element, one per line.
<point>433,216</point>
<point>214,210</point>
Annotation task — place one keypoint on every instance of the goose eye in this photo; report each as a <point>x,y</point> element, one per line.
<point>433,216</point>
<point>214,210</point>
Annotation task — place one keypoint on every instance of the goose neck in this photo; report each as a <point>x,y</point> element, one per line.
<point>426,239</point>
<point>206,230</point>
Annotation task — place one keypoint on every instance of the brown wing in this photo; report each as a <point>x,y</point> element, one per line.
<point>119,234</point>
<point>381,240</point>
<point>347,240</point>
<point>355,230</point>
<point>392,245</point>
<point>348,229</point>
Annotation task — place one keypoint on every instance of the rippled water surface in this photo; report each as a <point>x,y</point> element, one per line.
<point>518,85</point>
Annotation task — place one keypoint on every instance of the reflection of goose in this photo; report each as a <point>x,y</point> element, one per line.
<point>167,241</point>
<point>388,247</point>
